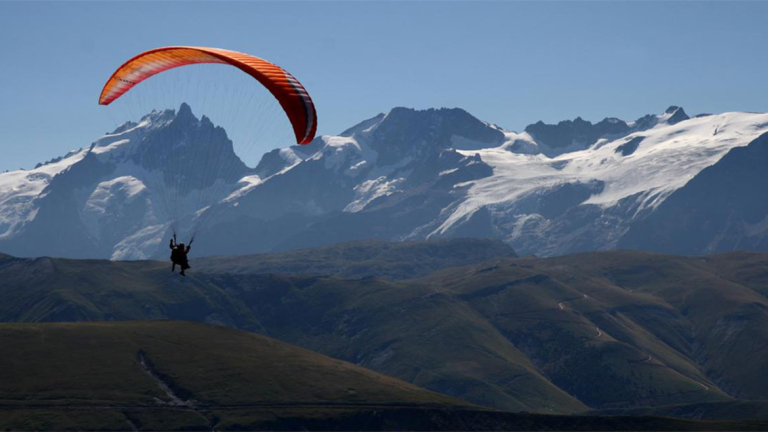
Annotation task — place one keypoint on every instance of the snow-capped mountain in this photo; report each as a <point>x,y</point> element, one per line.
<point>663,182</point>
<point>116,197</point>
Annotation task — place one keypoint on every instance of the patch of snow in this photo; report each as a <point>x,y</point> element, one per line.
<point>290,156</point>
<point>248,183</point>
<point>141,244</point>
<point>369,190</point>
<point>339,150</point>
<point>520,143</point>
<point>124,189</point>
<point>112,146</point>
<point>18,190</point>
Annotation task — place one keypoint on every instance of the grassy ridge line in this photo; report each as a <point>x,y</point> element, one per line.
<point>387,260</point>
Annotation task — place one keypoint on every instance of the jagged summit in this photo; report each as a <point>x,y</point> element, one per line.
<point>402,131</point>
<point>578,134</point>
<point>158,118</point>
<point>177,142</point>
<point>185,110</point>
<point>676,115</point>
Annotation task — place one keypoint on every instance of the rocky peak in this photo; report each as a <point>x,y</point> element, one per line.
<point>176,142</point>
<point>405,132</point>
<point>676,115</point>
<point>577,133</point>
<point>672,115</point>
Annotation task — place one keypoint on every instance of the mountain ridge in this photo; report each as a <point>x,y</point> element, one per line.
<point>404,175</point>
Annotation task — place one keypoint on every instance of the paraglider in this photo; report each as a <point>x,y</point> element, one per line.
<point>179,255</point>
<point>288,91</point>
<point>192,191</point>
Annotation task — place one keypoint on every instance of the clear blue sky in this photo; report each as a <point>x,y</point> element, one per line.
<point>510,63</point>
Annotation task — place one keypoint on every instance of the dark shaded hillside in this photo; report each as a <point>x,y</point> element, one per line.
<point>711,312</point>
<point>183,376</point>
<point>401,260</point>
<point>614,330</point>
<point>629,319</point>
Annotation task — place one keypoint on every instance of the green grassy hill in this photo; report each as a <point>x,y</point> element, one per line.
<point>131,372</point>
<point>166,375</point>
<point>616,330</point>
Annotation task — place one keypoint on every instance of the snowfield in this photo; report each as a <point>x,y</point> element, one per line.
<point>665,159</point>
<point>18,189</point>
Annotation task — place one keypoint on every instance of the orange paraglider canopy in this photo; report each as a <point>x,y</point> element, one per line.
<point>288,91</point>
